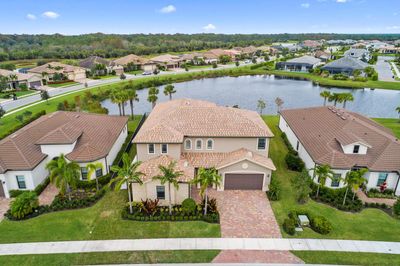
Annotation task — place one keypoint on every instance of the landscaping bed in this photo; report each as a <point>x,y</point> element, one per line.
<point>375,193</point>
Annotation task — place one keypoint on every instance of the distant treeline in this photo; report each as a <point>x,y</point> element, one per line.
<point>17,47</point>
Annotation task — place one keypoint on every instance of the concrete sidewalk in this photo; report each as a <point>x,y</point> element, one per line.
<point>200,244</point>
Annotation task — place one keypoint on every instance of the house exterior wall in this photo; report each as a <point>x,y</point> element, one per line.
<point>149,67</point>
<point>245,167</point>
<point>391,181</point>
<point>93,176</point>
<point>115,148</point>
<point>348,149</point>
<point>55,150</point>
<point>148,191</point>
<point>174,150</point>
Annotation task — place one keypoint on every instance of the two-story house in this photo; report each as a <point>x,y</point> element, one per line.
<point>196,134</point>
<point>345,141</point>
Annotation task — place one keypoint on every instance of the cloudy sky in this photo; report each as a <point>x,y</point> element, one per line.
<point>195,16</point>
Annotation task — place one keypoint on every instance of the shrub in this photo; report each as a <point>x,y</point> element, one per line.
<point>189,206</point>
<point>301,184</point>
<point>294,162</point>
<point>320,225</point>
<point>274,189</point>
<point>24,204</point>
<point>396,208</point>
<point>15,193</point>
<point>39,189</point>
<point>289,226</point>
<point>90,184</point>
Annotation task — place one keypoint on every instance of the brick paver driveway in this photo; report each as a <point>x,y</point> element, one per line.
<point>4,203</point>
<point>248,213</point>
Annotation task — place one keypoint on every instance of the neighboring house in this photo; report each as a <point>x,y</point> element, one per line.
<point>195,134</point>
<point>15,79</point>
<point>48,70</point>
<point>83,138</point>
<point>248,50</point>
<point>322,55</point>
<point>300,64</point>
<point>91,62</point>
<point>167,60</point>
<point>311,44</point>
<point>390,49</point>
<point>291,47</point>
<point>345,65</point>
<point>131,59</point>
<point>376,45</point>
<point>341,42</point>
<point>213,55</point>
<point>343,140</point>
<point>360,54</point>
<point>195,58</point>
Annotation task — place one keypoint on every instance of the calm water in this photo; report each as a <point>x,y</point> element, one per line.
<point>246,90</point>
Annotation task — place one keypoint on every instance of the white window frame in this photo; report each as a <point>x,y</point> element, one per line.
<point>212,144</point>
<point>148,148</point>
<point>190,141</point>
<point>161,148</point>
<point>201,145</point>
<point>258,139</point>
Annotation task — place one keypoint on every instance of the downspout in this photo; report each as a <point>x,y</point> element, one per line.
<point>107,167</point>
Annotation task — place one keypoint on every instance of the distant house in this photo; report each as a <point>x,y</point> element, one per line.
<point>324,56</point>
<point>82,137</point>
<point>168,61</point>
<point>131,59</point>
<point>390,49</point>
<point>311,44</point>
<point>360,54</point>
<point>341,42</point>
<point>15,79</point>
<point>345,65</point>
<point>213,55</point>
<point>345,141</point>
<point>291,47</point>
<point>49,70</point>
<point>376,44</point>
<point>195,58</point>
<point>248,50</point>
<point>91,62</point>
<point>300,64</point>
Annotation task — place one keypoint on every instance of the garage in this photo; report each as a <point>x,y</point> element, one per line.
<point>244,181</point>
<point>35,84</point>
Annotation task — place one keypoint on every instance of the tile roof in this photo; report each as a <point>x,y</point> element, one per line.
<point>150,168</point>
<point>171,121</point>
<point>92,61</point>
<point>94,134</point>
<point>166,58</point>
<point>353,52</point>
<point>52,67</point>
<point>321,130</point>
<point>305,59</point>
<point>21,76</point>
<point>346,62</point>
<point>131,58</point>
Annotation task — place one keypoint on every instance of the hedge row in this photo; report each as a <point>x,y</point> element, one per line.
<point>293,161</point>
<point>39,189</point>
<point>318,223</point>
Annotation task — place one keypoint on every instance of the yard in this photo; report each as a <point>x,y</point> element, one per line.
<point>392,123</point>
<point>369,224</point>
<point>18,93</point>
<point>65,84</point>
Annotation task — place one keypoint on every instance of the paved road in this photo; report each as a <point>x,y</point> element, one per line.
<point>383,68</point>
<point>10,104</point>
<point>200,244</point>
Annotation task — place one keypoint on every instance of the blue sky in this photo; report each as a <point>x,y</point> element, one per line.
<point>195,16</point>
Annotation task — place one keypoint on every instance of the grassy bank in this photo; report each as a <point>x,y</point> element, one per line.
<point>369,224</point>
<point>392,123</point>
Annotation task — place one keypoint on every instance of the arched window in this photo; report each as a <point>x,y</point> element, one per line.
<point>210,144</point>
<point>199,144</point>
<point>188,144</point>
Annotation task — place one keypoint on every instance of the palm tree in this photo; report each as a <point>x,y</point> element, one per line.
<point>279,102</point>
<point>115,99</point>
<point>207,178</point>
<point>354,179</point>
<point>92,167</point>
<point>398,110</point>
<point>126,174</point>
<point>335,98</point>
<point>132,96</point>
<point>261,105</point>
<point>152,98</point>
<point>325,95</point>
<point>170,176</point>
<point>63,174</point>
<point>169,90</point>
<point>323,172</point>
<point>346,97</point>
<point>123,98</point>
<point>13,78</point>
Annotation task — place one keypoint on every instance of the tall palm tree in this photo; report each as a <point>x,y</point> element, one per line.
<point>132,97</point>
<point>115,99</point>
<point>63,174</point>
<point>261,105</point>
<point>126,174</point>
<point>354,179</point>
<point>398,110</point>
<point>279,102</point>
<point>13,78</point>
<point>323,172</point>
<point>123,98</point>
<point>325,95</point>
<point>207,178</point>
<point>92,167</point>
<point>169,90</point>
<point>347,97</point>
<point>169,175</point>
<point>335,98</point>
<point>152,98</point>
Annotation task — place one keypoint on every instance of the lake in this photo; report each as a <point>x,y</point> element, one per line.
<point>245,91</point>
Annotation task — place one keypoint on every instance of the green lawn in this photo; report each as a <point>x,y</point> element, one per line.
<point>392,123</point>
<point>147,257</point>
<point>347,258</point>
<point>107,77</point>
<point>369,224</point>
<point>61,85</point>
<point>101,221</point>
<point>18,93</point>
<point>135,72</point>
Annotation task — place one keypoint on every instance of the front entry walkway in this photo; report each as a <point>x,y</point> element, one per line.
<point>4,205</point>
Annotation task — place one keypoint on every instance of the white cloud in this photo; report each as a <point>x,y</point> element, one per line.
<point>168,9</point>
<point>50,14</point>
<point>305,5</point>
<point>393,28</point>
<point>341,1</point>
<point>31,17</point>
<point>209,27</point>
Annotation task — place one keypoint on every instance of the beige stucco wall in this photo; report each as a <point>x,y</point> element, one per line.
<point>246,167</point>
<point>148,191</point>
<point>174,150</point>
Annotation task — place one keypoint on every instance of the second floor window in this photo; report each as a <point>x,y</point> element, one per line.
<point>262,144</point>
<point>164,148</point>
<point>356,148</point>
<point>151,148</point>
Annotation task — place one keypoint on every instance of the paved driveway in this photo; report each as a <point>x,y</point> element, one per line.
<point>384,69</point>
<point>3,207</point>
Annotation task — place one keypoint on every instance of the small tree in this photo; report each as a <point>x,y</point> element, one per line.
<point>279,102</point>
<point>322,172</point>
<point>354,179</point>
<point>20,118</point>
<point>2,112</point>
<point>24,204</point>
<point>45,96</point>
<point>261,105</point>
<point>301,185</point>
<point>214,65</point>
<point>153,96</point>
<point>346,97</point>
<point>122,76</point>
<point>206,178</point>
<point>3,83</point>
<point>92,167</point>
<point>325,95</point>
<point>397,109</point>
<point>237,63</point>
<point>169,90</point>
<point>169,175</point>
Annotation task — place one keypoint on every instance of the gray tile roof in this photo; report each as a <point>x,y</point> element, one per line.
<point>346,63</point>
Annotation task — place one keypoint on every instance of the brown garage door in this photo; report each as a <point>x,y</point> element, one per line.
<point>244,181</point>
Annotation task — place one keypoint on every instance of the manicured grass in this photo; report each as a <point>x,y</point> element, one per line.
<point>145,257</point>
<point>392,123</point>
<point>107,77</point>
<point>347,258</point>
<point>101,221</point>
<point>61,85</point>
<point>135,72</point>
<point>369,224</point>
<point>18,93</point>
<point>339,83</point>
